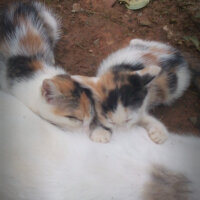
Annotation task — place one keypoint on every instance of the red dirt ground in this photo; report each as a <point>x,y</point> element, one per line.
<point>97,29</point>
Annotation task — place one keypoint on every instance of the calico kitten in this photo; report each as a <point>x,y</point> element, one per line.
<point>28,33</point>
<point>134,79</point>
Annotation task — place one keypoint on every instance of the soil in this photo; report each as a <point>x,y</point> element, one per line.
<point>92,29</point>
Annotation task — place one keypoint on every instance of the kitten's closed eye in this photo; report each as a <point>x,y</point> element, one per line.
<point>73,118</point>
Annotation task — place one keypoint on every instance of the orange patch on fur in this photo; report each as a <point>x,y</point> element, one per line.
<point>32,42</point>
<point>60,112</point>
<point>80,112</point>
<point>104,83</point>
<point>36,65</point>
<point>160,50</point>
<point>150,59</point>
<point>85,105</point>
<point>66,86</point>
<point>64,83</point>
<point>161,82</point>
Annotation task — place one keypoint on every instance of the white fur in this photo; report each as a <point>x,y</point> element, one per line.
<point>39,161</point>
<point>50,18</point>
<point>125,55</point>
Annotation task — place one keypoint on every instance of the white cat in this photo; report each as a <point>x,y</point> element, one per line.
<point>38,161</point>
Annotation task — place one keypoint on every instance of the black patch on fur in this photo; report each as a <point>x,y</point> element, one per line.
<point>26,9</point>
<point>173,61</point>
<point>106,128</point>
<point>172,82</point>
<point>110,104</point>
<point>89,95</point>
<point>130,95</point>
<point>147,78</point>
<point>128,67</point>
<point>76,93</point>
<point>133,94</point>
<point>19,67</point>
<point>125,68</point>
<point>79,89</point>
<point>135,80</point>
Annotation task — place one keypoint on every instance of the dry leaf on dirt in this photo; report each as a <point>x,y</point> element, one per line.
<point>135,4</point>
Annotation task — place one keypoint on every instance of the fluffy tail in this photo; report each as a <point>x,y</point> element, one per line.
<point>171,83</point>
<point>28,29</point>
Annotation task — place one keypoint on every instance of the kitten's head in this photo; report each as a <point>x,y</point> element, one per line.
<point>119,96</point>
<point>66,103</point>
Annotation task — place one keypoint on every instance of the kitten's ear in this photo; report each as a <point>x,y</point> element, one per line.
<point>147,79</point>
<point>50,92</point>
<point>88,82</point>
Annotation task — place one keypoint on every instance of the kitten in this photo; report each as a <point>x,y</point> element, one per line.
<point>28,33</point>
<point>40,161</point>
<point>131,81</point>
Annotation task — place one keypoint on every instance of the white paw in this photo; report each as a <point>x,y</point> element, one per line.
<point>158,134</point>
<point>100,135</point>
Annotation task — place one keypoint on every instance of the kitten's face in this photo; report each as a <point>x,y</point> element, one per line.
<point>119,97</point>
<point>70,105</point>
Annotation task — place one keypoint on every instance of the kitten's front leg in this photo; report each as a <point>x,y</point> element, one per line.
<point>156,130</point>
<point>101,134</point>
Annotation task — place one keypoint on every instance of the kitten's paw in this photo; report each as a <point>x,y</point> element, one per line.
<point>101,135</point>
<point>158,134</point>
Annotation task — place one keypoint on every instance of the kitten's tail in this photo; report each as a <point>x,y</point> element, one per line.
<point>194,64</point>
<point>169,85</point>
<point>28,29</point>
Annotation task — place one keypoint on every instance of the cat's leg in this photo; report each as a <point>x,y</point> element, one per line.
<point>155,129</point>
<point>101,134</point>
